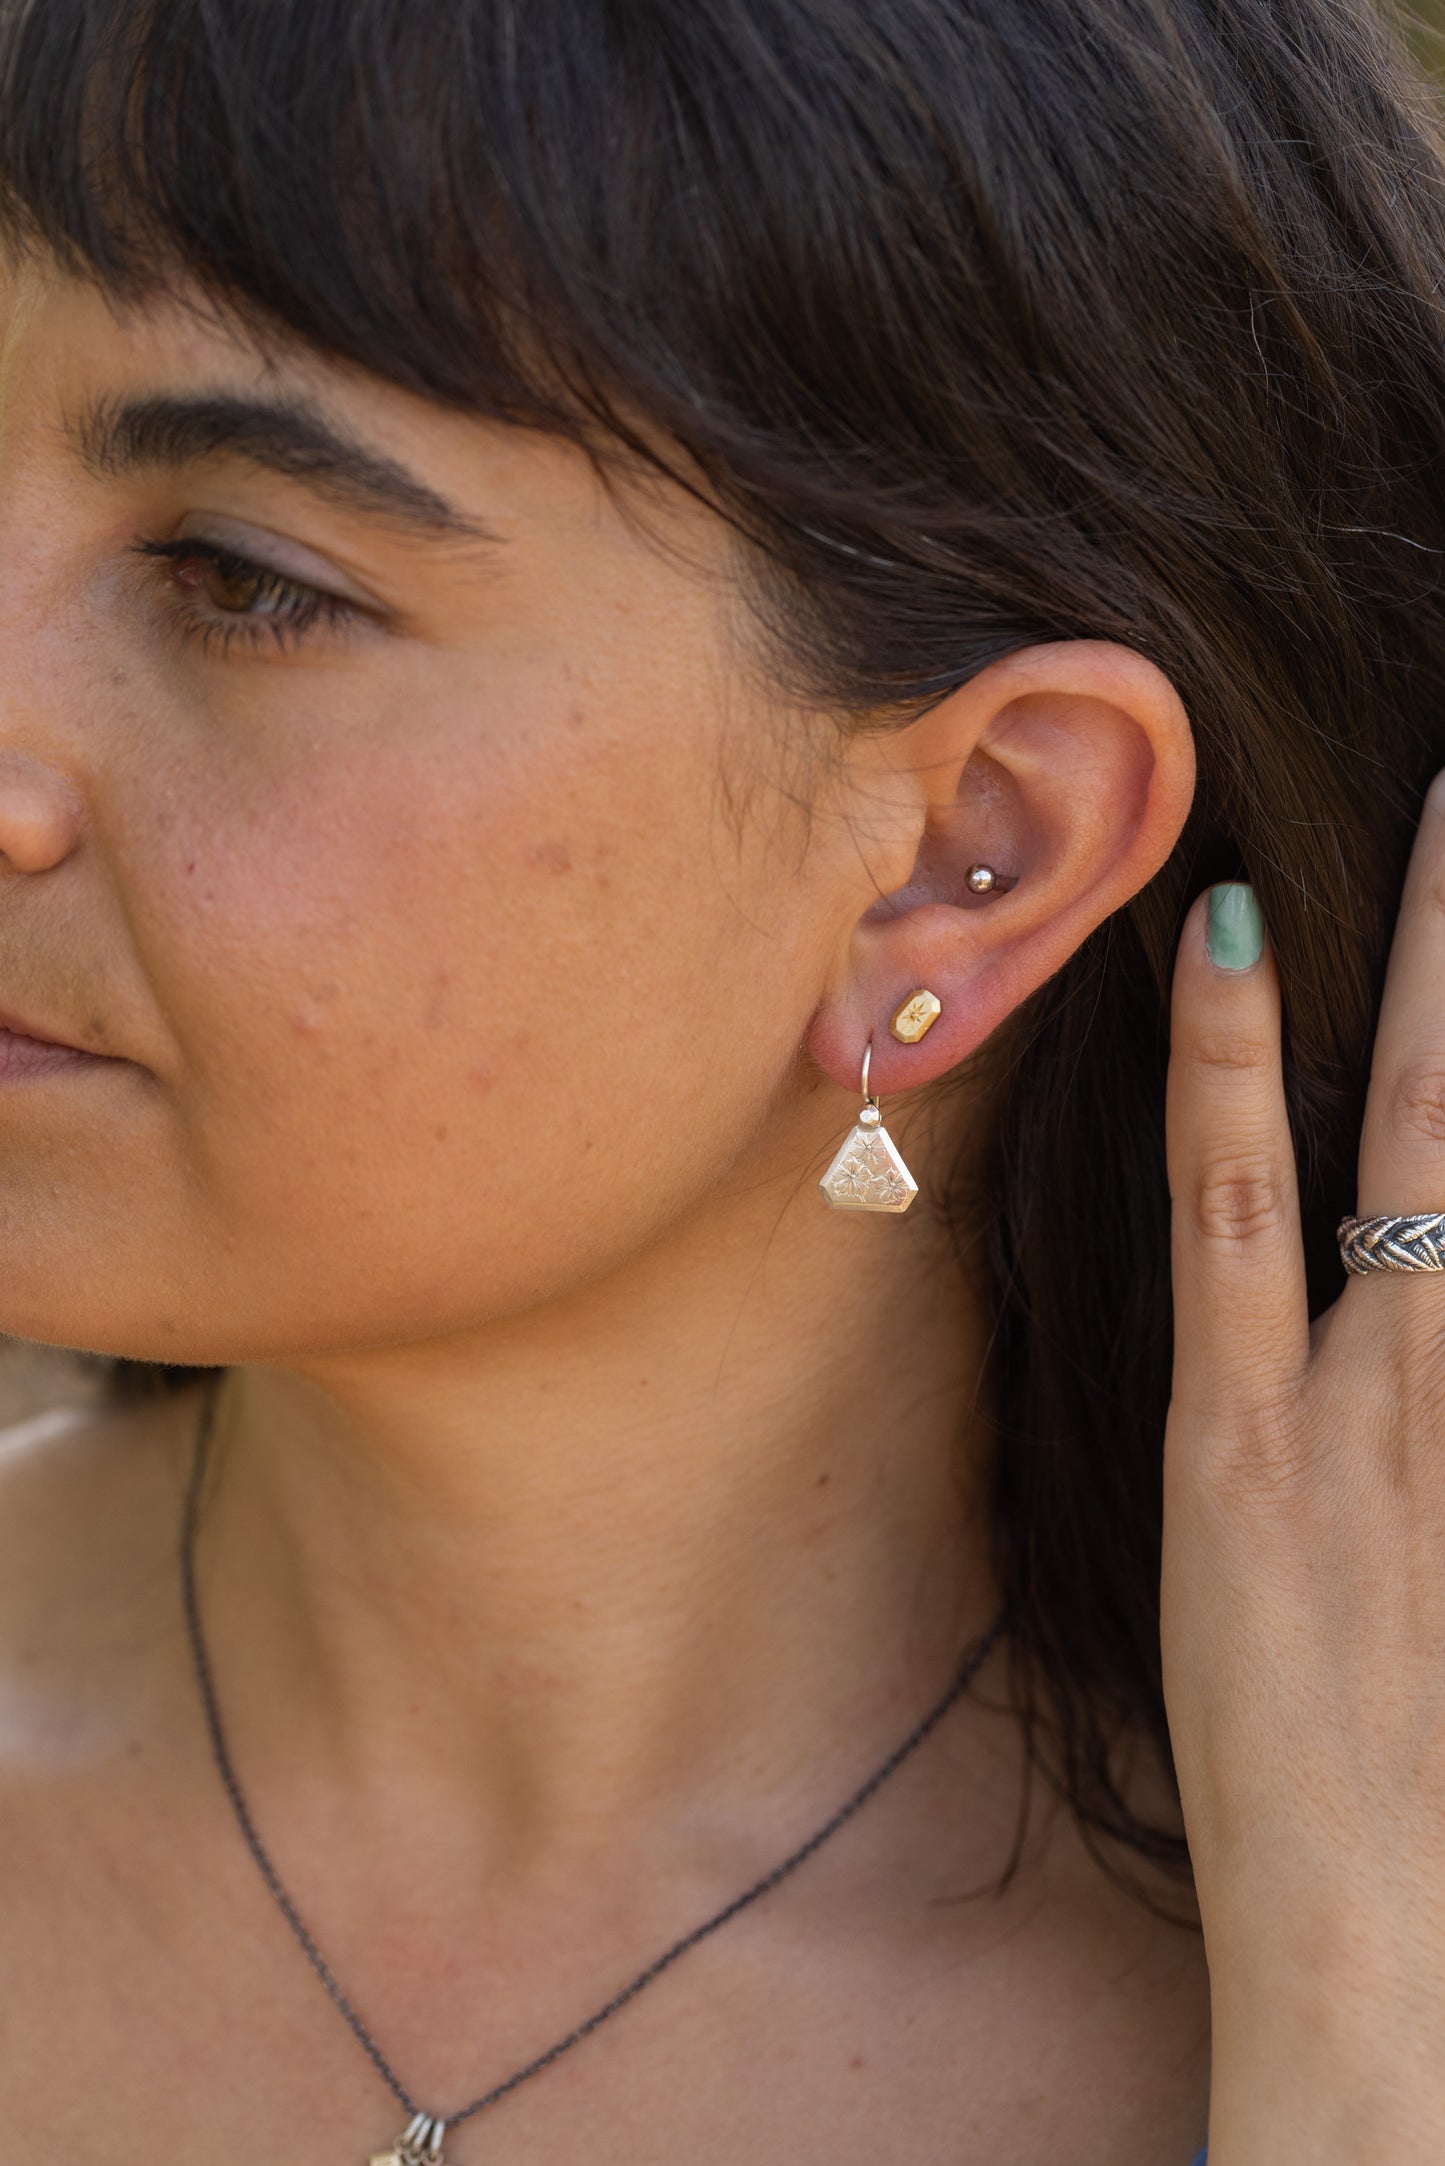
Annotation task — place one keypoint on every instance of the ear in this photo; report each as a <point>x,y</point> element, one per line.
<point>1068,768</point>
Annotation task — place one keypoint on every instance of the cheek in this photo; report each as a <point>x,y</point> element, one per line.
<point>465,1023</point>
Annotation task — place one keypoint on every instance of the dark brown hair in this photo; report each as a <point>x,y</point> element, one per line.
<point>987,322</point>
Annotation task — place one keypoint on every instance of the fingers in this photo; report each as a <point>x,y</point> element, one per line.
<point>1240,1308</point>
<point>1402,1151</point>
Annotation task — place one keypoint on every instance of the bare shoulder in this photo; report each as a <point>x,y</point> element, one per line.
<point>61,1449</point>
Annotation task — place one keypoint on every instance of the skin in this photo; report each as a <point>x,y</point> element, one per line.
<point>1303,1599</point>
<point>481,994</point>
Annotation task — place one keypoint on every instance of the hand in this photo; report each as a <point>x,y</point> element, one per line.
<point>1304,1575</point>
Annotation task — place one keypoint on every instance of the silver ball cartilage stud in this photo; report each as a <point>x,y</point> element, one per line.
<point>982,879</point>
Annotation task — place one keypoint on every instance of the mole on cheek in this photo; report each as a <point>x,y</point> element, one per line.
<point>550,856</point>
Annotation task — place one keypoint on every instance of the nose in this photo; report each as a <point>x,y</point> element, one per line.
<point>40,815</point>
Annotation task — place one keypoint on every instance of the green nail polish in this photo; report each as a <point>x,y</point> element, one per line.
<point>1234,935</point>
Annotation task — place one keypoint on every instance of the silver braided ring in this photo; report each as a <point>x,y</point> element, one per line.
<point>1391,1243</point>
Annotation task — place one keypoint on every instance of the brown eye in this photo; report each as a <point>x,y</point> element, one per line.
<point>232,585</point>
<point>221,599</point>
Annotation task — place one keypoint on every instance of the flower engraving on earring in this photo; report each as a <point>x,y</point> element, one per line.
<point>982,879</point>
<point>867,1174</point>
<point>916,1017</point>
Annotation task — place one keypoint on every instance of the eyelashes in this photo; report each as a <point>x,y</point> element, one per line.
<point>257,606</point>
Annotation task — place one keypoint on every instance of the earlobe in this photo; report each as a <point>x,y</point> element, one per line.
<point>1065,771</point>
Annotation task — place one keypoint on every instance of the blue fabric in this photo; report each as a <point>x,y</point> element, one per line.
<point>1202,2159</point>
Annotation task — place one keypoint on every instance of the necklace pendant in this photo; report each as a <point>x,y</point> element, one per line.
<point>419,2144</point>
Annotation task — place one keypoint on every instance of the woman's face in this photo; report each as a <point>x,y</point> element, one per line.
<point>442,942</point>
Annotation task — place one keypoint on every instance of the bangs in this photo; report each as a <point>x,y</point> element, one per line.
<point>379,179</point>
<point>519,209</point>
<point>728,231</point>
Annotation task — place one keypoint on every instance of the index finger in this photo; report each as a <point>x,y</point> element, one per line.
<point>1241,1322</point>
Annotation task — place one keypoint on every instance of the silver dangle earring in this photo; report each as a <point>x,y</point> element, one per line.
<point>868,1174</point>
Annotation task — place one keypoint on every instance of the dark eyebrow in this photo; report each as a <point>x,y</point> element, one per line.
<point>122,436</point>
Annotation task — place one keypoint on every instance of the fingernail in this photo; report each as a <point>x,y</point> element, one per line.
<point>1234,935</point>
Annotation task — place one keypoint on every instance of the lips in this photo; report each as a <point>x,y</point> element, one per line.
<point>18,1027</point>
<point>25,1050</point>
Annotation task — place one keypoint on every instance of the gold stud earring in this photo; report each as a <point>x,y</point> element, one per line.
<point>916,1017</point>
<point>868,1174</point>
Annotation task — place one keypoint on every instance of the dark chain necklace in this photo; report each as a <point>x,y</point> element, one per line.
<point>420,2143</point>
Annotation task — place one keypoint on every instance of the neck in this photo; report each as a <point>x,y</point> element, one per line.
<point>711,1514</point>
